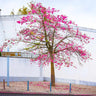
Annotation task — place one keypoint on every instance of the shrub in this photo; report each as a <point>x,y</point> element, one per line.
<point>0,54</point>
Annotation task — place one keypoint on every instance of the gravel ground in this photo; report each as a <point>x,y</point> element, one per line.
<point>44,87</point>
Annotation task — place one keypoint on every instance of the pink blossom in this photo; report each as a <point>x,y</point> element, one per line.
<point>1,49</point>
<point>33,11</point>
<point>70,22</point>
<point>18,22</point>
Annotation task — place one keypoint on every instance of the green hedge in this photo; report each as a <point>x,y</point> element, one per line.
<point>0,53</point>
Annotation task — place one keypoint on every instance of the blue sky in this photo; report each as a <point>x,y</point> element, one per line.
<point>82,12</point>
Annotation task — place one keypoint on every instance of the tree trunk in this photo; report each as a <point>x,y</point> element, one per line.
<point>52,66</point>
<point>52,74</point>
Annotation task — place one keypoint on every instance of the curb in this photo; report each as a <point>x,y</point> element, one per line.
<point>40,93</point>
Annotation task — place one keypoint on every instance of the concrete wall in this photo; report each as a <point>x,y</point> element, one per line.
<point>20,69</point>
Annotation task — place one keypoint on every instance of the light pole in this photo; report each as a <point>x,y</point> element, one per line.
<point>8,67</point>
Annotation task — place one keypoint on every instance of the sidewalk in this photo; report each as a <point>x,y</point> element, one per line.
<point>43,88</point>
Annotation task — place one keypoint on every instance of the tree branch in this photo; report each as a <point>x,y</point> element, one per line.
<point>46,40</point>
<point>61,41</point>
<point>53,36</point>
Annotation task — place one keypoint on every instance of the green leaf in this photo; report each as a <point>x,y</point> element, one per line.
<point>47,41</point>
<point>45,19</point>
<point>32,46</point>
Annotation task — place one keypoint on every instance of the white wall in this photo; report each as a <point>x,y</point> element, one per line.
<point>19,67</point>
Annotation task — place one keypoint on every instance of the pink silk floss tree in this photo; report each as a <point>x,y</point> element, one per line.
<point>53,36</point>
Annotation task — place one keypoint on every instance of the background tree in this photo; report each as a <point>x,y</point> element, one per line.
<point>22,11</point>
<point>52,36</point>
<point>12,12</point>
